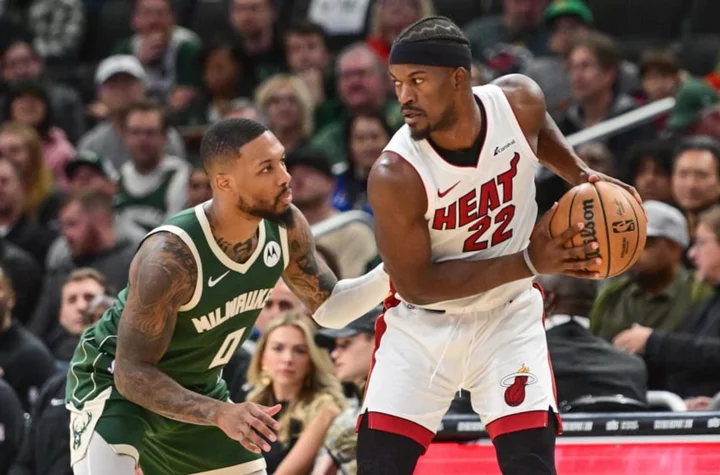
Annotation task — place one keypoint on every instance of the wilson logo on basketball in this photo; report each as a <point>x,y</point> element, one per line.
<point>588,233</point>
<point>627,226</point>
<point>515,384</point>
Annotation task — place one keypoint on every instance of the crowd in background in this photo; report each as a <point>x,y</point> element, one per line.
<point>102,107</point>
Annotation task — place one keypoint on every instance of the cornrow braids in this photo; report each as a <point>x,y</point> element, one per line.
<point>435,29</point>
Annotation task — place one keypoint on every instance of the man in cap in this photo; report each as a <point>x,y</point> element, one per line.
<point>351,349</point>
<point>121,81</point>
<point>693,98</point>
<point>659,291</point>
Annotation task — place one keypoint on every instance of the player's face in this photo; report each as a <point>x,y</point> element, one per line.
<point>352,357</point>
<point>286,358</point>
<point>426,95</point>
<point>259,181</point>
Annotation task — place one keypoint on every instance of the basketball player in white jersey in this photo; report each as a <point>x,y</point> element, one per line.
<point>454,201</point>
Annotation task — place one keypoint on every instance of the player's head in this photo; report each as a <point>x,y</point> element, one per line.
<point>246,165</point>
<point>430,66</point>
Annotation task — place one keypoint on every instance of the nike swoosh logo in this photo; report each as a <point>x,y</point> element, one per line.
<point>57,402</point>
<point>442,194</point>
<point>212,282</point>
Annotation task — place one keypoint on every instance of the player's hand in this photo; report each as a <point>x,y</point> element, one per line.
<point>250,424</point>
<point>594,177</point>
<point>550,256</point>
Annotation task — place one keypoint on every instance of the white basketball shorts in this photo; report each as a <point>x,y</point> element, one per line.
<point>422,358</point>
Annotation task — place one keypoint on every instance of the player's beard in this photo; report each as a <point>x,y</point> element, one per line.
<point>268,211</point>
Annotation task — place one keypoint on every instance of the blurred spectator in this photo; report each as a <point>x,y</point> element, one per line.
<point>29,104</point>
<point>597,156</point>
<point>658,292</point>
<point>153,186</point>
<point>308,57</point>
<point>290,369</point>
<point>80,288</point>
<point>353,245</point>
<point>366,136</point>
<point>89,171</point>
<point>22,146</point>
<point>58,28</point>
<point>660,74</point>
<point>46,449</point>
<point>253,23</point>
<point>693,97</point>
<point>168,52</point>
<point>583,364</point>
<point>20,62</point>
<point>120,81</point>
<point>243,108</point>
<point>93,240</point>
<point>480,74</point>
<point>593,61</point>
<point>26,275</point>
<point>351,349</point>
<point>362,89</point>
<point>280,300</point>
<point>25,363</point>
<point>12,422</point>
<point>689,359</point>
<point>288,105</point>
<point>520,24</point>
<point>566,20</point>
<point>390,17</point>
<point>650,168</point>
<point>228,73</point>
<point>15,225</point>
<point>199,189</point>
<point>696,176</point>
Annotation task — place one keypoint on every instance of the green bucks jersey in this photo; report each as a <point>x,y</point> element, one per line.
<point>227,300</point>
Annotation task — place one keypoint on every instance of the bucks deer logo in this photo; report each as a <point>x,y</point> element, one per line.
<point>515,384</point>
<point>79,426</point>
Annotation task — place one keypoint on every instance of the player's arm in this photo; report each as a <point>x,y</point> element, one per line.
<point>398,198</point>
<point>162,279</point>
<point>553,150</point>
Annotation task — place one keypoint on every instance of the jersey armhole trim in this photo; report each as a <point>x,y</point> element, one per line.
<point>513,118</point>
<point>284,245</point>
<point>429,197</point>
<point>168,228</point>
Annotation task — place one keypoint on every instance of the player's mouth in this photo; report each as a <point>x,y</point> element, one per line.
<point>285,197</point>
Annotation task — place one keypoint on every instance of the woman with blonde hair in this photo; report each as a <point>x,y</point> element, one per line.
<point>390,17</point>
<point>288,104</point>
<point>290,369</point>
<point>22,145</point>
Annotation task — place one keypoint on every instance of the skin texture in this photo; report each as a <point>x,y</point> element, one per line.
<point>163,276</point>
<point>438,103</point>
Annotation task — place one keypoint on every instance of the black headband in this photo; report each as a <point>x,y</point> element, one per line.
<point>450,55</point>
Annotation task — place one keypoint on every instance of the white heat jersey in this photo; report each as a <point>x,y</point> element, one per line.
<point>477,213</point>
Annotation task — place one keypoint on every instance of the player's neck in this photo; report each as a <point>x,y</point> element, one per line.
<point>229,223</point>
<point>462,134</point>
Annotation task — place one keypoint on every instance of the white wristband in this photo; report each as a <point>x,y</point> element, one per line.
<point>528,262</point>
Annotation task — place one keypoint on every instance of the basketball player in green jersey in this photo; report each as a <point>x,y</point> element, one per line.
<point>144,385</point>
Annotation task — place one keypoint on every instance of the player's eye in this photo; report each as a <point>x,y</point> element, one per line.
<point>267,169</point>
<point>417,81</point>
<point>397,83</point>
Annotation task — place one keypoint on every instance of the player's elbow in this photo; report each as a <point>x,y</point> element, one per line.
<point>123,377</point>
<point>415,292</point>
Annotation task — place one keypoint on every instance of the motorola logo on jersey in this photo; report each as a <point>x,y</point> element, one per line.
<point>474,209</point>
<point>271,254</point>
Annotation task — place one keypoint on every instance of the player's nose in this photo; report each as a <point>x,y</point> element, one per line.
<point>405,94</point>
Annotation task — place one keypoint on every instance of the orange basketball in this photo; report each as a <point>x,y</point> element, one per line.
<point>612,218</point>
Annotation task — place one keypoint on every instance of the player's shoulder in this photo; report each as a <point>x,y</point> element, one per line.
<point>393,168</point>
<point>520,89</point>
<point>164,245</point>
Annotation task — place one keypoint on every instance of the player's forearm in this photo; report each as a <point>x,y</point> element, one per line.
<point>557,154</point>
<point>458,279</point>
<point>147,386</point>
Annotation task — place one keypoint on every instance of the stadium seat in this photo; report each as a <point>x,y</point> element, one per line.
<point>604,404</point>
<point>665,401</point>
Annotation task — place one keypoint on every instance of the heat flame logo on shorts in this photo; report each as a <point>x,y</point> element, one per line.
<point>515,384</point>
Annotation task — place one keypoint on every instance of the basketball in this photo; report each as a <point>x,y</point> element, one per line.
<point>612,218</point>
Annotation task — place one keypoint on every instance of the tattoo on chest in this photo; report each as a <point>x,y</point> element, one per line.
<point>239,252</point>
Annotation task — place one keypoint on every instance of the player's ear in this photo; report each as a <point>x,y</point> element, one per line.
<point>223,182</point>
<point>459,77</point>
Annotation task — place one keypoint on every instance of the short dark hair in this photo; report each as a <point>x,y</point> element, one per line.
<point>224,139</point>
<point>90,200</point>
<point>702,143</point>
<point>659,152</point>
<point>436,29</point>
<point>304,27</point>
<point>601,46</point>
<point>146,106</point>
<point>88,273</point>
<point>660,60</point>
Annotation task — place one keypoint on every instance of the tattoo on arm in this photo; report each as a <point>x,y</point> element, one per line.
<point>162,279</point>
<point>307,274</point>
